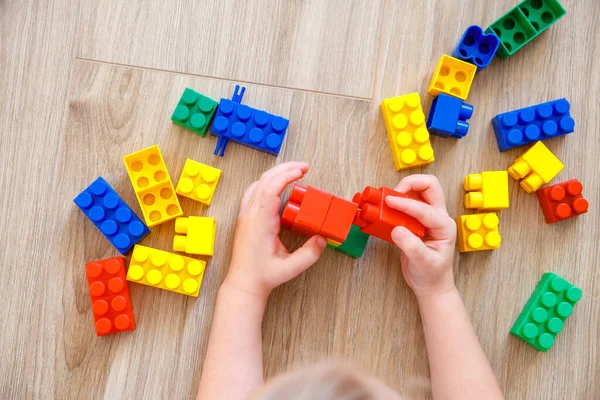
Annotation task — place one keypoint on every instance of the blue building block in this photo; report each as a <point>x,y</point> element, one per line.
<point>448,117</point>
<point>107,210</point>
<point>247,126</point>
<point>476,47</point>
<point>530,124</point>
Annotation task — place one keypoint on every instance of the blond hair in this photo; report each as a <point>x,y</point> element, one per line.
<point>329,381</point>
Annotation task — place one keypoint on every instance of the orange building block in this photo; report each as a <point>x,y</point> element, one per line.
<point>306,210</point>
<point>310,211</point>
<point>339,219</point>
<point>109,293</point>
<point>375,218</point>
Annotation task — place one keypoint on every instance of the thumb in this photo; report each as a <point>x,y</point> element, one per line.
<point>410,244</point>
<point>307,255</point>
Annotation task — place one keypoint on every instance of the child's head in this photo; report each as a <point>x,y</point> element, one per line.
<point>326,382</point>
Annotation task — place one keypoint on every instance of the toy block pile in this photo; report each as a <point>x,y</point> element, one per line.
<point>487,192</point>
<point>346,224</point>
<point>109,293</point>
<point>157,197</point>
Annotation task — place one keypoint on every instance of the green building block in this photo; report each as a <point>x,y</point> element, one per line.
<point>194,111</point>
<point>524,23</point>
<point>546,311</point>
<point>355,243</point>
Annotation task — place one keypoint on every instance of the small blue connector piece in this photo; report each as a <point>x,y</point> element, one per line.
<point>530,124</point>
<point>111,215</point>
<point>448,117</point>
<point>476,47</point>
<point>247,126</point>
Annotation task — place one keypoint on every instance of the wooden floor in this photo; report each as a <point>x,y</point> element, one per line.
<point>88,81</point>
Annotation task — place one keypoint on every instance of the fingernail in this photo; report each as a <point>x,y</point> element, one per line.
<point>321,241</point>
<point>398,232</point>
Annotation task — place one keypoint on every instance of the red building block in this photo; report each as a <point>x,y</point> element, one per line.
<point>306,210</point>
<point>339,219</point>
<point>310,211</point>
<point>561,201</point>
<point>375,218</point>
<point>111,304</point>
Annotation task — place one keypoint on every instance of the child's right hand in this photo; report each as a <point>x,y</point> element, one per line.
<point>426,264</point>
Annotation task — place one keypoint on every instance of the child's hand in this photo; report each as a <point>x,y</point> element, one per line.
<point>260,261</point>
<point>426,264</point>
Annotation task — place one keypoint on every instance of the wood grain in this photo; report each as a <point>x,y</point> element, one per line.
<point>71,112</point>
<point>274,42</point>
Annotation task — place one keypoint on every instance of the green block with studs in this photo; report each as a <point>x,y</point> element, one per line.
<point>546,311</point>
<point>194,111</point>
<point>355,243</point>
<point>524,23</point>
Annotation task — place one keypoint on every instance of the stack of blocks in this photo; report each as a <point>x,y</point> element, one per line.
<point>347,225</point>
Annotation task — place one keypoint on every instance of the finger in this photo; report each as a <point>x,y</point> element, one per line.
<point>422,212</point>
<point>275,184</point>
<point>305,256</point>
<point>428,186</point>
<point>411,245</point>
<point>247,196</point>
<point>268,175</point>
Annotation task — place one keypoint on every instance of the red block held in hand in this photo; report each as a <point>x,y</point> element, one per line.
<point>310,211</point>
<point>377,219</point>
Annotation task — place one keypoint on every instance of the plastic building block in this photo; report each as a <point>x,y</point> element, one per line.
<point>452,77</point>
<point>152,185</point>
<point>487,190</point>
<point>306,209</point>
<point>111,215</point>
<point>248,126</point>
<point>198,235</point>
<point>448,117</point>
<point>477,47</point>
<point>109,293</point>
<point>194,111</point>
<point>166,271</point>
<point>406,131</point>
<point>530,124</point>
<point>546,311</point>
<point>338,220</point>
<point>535,167</point>
<point>478,232</point>
<point>355,243</point>
<point>198,181</point>
<point>561,201</point>
<point>310,211</point>
<point>524,23</point>
<point>377,219</point>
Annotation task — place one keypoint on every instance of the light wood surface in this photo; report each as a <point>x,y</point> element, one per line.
<point>86,82</point>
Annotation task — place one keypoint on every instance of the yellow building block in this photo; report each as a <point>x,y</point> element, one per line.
<point>165,270</point>
<point>535,167</point>
<point>152,185</point>
<point>452,77</point>
<point>478,232</point>
<point>333,243</point>
<point>406,131</point>
<point>198,181</point>
<point>487,190</point>
<point>200,237</point>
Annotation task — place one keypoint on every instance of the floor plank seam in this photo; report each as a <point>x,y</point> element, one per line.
<point>343,96</point>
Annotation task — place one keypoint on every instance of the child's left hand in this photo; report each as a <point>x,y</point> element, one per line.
<point>260,262</point>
